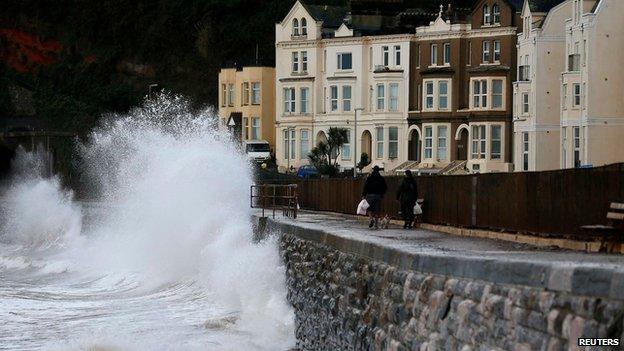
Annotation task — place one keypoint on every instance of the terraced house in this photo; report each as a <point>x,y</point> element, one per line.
<point>568,99</point>
<point>461,90</point>
<point>326,70</point>
<point>247,102</point>
<point>592,106</point>
<point>537,92</point>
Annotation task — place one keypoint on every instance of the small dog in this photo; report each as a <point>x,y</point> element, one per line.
<point>384,222</point>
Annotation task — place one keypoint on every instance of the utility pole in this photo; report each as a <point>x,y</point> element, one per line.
<point>355,141</point>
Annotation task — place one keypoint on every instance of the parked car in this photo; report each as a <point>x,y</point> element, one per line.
<point>258,150</point>
<point>307,171</point>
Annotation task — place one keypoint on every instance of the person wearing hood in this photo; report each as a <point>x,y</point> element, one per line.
<point>374,189</point>
<point>407,195</point>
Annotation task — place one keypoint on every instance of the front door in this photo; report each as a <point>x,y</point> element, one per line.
<point>462,145</point>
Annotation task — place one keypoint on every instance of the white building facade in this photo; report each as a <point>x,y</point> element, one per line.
<point>537,93</point>
<point>592,104</point>
<point>325,71</point>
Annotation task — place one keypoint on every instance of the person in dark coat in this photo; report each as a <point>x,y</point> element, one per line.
<point>407,194</point>
<point>374,189</point>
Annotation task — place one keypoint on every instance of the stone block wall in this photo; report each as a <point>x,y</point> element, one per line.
<point>349,302</point>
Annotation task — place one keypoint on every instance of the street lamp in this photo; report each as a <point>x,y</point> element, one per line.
<point>288,141</point>
<point>355,141</point>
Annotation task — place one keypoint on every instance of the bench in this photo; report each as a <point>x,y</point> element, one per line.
<point>614,227</point>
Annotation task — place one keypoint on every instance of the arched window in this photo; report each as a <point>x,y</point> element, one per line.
<point>496,14</point>
<point>295,27</point>
<point>486,14</point>
<point>304,26</point>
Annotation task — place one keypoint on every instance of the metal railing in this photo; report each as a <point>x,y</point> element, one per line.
<point>275,197</point>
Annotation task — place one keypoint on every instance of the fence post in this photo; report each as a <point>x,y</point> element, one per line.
<point>473,202</point>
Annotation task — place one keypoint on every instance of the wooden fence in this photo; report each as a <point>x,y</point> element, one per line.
<point>552,202</point>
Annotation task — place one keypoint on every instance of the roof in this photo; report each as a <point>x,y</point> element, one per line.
<point>543,5</point>
<point>331,16</point>
<point>517,4</point>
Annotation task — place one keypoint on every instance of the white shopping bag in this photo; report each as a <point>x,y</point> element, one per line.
<point>417,209</point>
<point>362,207</point>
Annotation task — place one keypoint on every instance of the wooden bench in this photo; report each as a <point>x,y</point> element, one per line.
<point>615,226</point>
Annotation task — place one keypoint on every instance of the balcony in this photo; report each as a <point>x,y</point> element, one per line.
<point>574,63</point>
<point>524,73</point>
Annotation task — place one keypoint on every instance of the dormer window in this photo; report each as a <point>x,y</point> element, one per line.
<point>496,14</point>
<point>486,15</point>
<point>295,27</point>
<point>304,26</point>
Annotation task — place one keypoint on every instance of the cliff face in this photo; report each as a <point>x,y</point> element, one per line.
<point>102,55</point>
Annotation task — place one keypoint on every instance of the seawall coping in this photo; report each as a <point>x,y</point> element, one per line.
<point>571,272</point>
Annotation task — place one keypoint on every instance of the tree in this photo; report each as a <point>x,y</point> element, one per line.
<point>336,138</point>
<point>325,155</point>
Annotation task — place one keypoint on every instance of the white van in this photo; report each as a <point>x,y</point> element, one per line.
<point>258,150</point>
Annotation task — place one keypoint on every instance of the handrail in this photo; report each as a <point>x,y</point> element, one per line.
<point>275,197</point>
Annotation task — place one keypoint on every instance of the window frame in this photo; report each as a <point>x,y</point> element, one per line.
<point>499,147</point>
<point>255,101</point>
<point>393,143</point>
<point>485,51</point>
<point>525,103</point>
<point>333,98</point>
<point>442,137</point>
<point>289,100</point>
<point>394,99</point>
<point>379,147</point>
<point>385,55</point>
<point>295,25</point>
<point>231,94</point>
<point>304,155</point>
<point>525,151</point>
<point>440,95</point>
<point>257,129</point>
<point>496,14</point>
<point>304,99</point>
<point>304,62</point>
<point>576,95</point>
<point>380,98</point>
<point>346,147</point>
<point>346,100</point>
<point>295,62</point>
<point>304,26</point>
<point>428,142</point>
<point>428,95</point>
<point>447,54</point>
<point>433,54</point>
<point>397,55</point>
<point>497,52</point>
<point>487,15</point>
<point>494,94</point>
<point>340,61</point>
<point>478,142</point>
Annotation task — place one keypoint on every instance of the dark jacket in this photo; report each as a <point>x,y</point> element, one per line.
<point>375,184</point>
<point>408,191</point>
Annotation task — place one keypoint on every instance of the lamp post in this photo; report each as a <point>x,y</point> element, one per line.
<point>355,140</point>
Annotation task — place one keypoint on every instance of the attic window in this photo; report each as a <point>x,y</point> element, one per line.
<point>295,27</point>
<point>496,14</point>
<point>304,26</point>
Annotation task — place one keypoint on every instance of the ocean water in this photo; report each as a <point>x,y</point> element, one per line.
<point>161,258</point>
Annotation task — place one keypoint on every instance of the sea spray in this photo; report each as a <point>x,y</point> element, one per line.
<point>175,226</point>
<point>37,211</point>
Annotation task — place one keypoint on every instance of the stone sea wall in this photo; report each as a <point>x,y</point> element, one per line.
<point>346,301</point>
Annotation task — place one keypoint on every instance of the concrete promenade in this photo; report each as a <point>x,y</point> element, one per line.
<point>598,275</point>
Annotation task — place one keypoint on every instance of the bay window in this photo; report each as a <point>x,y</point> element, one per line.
<point>393,142</point>
<point>346,147</point>
<point>304,144</point>
<point>304,92</point>
<point>333,99</point>
<point>442,138</point>
<point>381,97</point>
<point>497,93</point>
<point>289,100</point>
<point>478,141</point>
<point>495,142</point>
<point>428,142</point>
<point>443,95</point>
<point>346,98</point>
<point>380,141</point>
<point>394,96</point>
